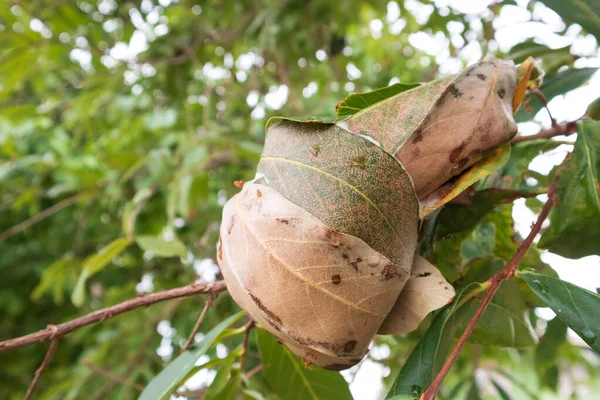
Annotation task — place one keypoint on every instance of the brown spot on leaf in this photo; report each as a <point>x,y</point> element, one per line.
<point>283,220</point>
<point>315,150</point>
<point>349,346</point>
<point>359,162</point>
<point>481,76</point>
<point>424,274</point>
<point>231,223</point>
<point>258,193</point>
<point>501,93</point>
<point>355,263</point>
<point>455,154</point>
<point>390,272</point>
<point>271,314</point>
<point>417,137</point>
<point>416,152</point>
<point>336,279</point>
<point>220,249</point>
<point>334,237</point>
<point>454,91</point>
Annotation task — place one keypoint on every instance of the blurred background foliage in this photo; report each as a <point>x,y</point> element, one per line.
<point>124,124</point>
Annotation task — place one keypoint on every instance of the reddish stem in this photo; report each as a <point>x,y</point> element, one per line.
<point>495,282</point>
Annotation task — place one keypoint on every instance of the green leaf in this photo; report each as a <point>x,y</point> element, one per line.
<point>546,353</point>
<point>358,101</point>
<point>577,307</point>
<point>94,264</point>
<point>583,12</point>
<point>162,248</point>
<point>504,323</point>
<point>291,380</point>
<point>575,218</point>
<point>554,85</point>
<point>593,110</point>
<point>344,190</point>
<point>274,121</point>
<point>529,48</point>
<point>511,176</point>
<point>425,360</point>
<point>501,392</point>
<point>221,378</point>
<point>170,378</point>
<point>474,392</point>
<point>392,121</point>
<point>482,169</point>
<point>232,387</point>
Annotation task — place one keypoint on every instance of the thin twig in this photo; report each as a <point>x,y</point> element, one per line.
<point>207,305</point>
<point>254,371</point>
<point>43,366</point>
<point>243,357</point>
<point>141,301</point>
<point>495,282</point>
<point>135,361</point>
<point>542,98</point>
<point>557,130</point>
<point>39,217</point>
<point>112,376</point>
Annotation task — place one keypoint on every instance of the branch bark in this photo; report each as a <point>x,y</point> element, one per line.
<point>60,330</point>
<point>43,366</point>
<point>39,216</point>
<point>495,282</point>
<point>557,130</point>
<point>207,305</point>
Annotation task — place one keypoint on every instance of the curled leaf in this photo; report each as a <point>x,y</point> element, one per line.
<point>323,293</point>
<point>470,119</point>
<point>425,291</point>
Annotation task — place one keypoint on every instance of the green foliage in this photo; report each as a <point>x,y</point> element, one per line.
<point>288,377</point>
<point>575,220</point>
<point>123,126</point>
<point>359,101</point>
<point>577,307</point>
<point>171,377</point>
<point>426,359</point>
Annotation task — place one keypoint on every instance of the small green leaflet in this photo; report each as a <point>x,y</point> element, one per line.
<point>577,307</point>
<point>546,353</point>
<point>554,84</point>
<point>359,101</point>
<point>420,368</point>
<point>291,380</point>
<point>160,247</point>
<point>170,378</point>
<point>583,12</point>
<point>94,264</point>
<point>575,218</point>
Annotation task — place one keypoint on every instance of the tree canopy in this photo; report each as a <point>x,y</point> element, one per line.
<point>124,127</point>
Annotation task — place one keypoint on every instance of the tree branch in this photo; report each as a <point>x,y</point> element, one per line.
<point>207,305</point>
<point>43,366</point>
<point>557,130</point>
<point>495,282</point>
<point>244,355</point>
<point>39,216</point>
<point>101,371</point>
<point>53,331</point>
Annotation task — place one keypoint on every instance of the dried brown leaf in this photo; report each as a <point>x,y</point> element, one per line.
<point>322,293</point>
<point>425,291</point>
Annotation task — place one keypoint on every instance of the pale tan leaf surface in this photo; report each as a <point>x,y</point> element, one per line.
<point>425,291</point>
<point>324,294</point>
<point>391,121</point>
<point>471,119</point>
